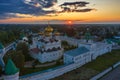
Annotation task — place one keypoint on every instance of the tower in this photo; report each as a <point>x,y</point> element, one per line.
<point>11,71</point>
<point>87,35</point>
<point>48,32</point>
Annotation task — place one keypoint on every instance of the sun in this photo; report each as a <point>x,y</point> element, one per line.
<point>69,22</point>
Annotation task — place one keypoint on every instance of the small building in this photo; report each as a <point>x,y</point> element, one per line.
<point>79,55</point>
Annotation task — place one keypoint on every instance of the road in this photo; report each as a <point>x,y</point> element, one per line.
<point>113,75</point>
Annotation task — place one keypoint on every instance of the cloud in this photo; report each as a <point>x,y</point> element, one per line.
<point>75,4</point>
<point>75,7</point>
<point>9,8</point>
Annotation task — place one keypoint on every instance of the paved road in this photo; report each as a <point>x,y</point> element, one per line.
<point>113,75</point>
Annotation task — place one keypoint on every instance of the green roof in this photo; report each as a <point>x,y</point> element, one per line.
<point>1,46</point>
<point>10,68</point>
<point>77,51</point>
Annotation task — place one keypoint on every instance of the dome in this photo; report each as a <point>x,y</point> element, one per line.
<point>40,33</point>
<point>25,38</point>
<point>48,29</point>
<point>57,33</point>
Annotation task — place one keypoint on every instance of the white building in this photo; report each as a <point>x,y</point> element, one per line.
<point>79,55</point>
<point>86,52</point>
<point>46,47</point>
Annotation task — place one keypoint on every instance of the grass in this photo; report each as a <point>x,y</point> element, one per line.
<point>92,68</point>
<point>104,61</point>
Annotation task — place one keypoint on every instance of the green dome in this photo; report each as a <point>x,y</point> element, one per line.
<point>1,46</point>
<point>10,68</point>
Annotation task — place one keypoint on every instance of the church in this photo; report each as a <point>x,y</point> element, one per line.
<point>46,46</point>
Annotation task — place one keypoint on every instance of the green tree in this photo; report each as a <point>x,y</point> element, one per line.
<point>17,57</point>
<point>25,50</point>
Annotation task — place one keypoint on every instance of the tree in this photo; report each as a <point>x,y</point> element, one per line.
<point>17,57</point>
<point>25,50</point>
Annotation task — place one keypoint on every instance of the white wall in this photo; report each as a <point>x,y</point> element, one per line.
<point>53,73</point>
<point>48,57</point>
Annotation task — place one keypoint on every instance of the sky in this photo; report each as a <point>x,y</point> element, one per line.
<point>59,11</point>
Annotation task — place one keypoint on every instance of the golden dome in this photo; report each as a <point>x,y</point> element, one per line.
<point>40,33</point>
<point>48,29</point>
<point>57,33</point>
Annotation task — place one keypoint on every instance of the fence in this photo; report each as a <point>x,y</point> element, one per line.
<point>116,65</point>
<point>101,74</point>
<point>51,73</point>
<point>105,72</point>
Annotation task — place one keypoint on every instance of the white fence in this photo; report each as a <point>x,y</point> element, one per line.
<point>51,73</point>
<point>115,65</point>
<point>101,74</point>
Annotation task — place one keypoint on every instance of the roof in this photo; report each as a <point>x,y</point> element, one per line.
<point>117,37</point>
<point>109,41</point>
<point>36,50</point>
<point>1,46</point>
<point>10,68</point>
<point>78,51</point>
<point>114,40</point>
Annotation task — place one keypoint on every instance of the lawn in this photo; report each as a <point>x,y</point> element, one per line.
<point>92,68</point>
<point>104,61</point>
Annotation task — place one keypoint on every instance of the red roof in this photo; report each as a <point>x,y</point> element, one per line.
<point>35,50</point>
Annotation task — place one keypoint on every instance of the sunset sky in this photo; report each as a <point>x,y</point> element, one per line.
<point>59,11</point>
